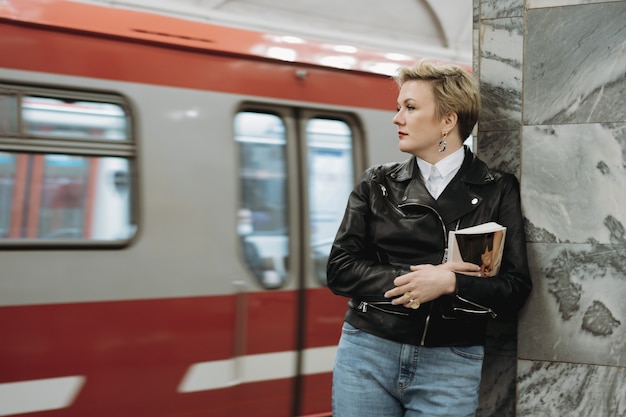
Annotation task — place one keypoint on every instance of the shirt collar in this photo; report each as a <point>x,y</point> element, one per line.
<point>446,166</point>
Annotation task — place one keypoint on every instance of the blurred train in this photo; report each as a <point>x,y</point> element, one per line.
<point>169,191</point>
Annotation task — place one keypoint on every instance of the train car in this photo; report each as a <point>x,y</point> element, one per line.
<point>169,191</point>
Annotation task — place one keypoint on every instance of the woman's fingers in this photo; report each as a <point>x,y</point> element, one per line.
<point>466,268</point>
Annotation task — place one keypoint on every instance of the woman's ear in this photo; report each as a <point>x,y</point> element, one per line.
<point>449,121</point>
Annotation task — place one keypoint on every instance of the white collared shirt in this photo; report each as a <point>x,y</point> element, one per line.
<point>438,176</point>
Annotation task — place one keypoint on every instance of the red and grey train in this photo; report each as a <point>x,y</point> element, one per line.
<point>169,191</point>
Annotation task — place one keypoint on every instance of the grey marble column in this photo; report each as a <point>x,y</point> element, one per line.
<point>553,80</point>
<point>498,57</point>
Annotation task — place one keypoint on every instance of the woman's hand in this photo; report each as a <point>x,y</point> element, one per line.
<point>428,282</point>
<point>465,268</point>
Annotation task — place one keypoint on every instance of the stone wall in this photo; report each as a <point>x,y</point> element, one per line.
<point>553,83</point>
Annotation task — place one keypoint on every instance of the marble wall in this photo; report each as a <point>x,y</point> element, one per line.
<point>553,85</point>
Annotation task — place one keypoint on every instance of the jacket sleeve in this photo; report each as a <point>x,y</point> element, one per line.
<point>354,268</point>
<point>507,292</point>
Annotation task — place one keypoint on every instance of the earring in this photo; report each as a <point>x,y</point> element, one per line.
<point>441,146</point>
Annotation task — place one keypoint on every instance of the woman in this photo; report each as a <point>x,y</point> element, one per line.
<point>412,341</point>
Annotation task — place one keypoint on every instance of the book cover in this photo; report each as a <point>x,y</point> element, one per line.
<point>481,245</point>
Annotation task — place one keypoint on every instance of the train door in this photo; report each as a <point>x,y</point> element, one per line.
<point>296,170</point>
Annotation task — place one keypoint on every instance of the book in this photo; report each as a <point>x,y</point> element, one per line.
<point>481,245</point>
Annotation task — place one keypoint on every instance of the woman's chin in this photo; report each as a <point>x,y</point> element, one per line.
<point>402,147</point>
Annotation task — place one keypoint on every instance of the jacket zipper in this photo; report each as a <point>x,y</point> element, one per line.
<point>396,208</point>
<point>445,239</point>
<point>445,253</point>
<point>485,310</point>
<point>390,203</point>
<point>426,323</point>
<point>364,304</point>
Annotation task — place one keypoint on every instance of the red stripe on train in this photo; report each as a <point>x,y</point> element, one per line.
<point>134,354</point>
<point>38,49</point>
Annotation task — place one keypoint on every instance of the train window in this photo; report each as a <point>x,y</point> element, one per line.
<point>331,178</point>
<point>64,197</point>
<point>262,216</point>
<point>62,180</point>
<point>7,168</point>
<point>53,117</point>
<point>8,114</point>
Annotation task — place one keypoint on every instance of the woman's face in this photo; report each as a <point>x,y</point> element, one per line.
<point>418,129</point>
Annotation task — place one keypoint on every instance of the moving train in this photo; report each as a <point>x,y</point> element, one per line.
<point>169,191</point>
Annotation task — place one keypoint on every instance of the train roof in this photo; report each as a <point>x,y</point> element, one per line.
<point>148,26</point>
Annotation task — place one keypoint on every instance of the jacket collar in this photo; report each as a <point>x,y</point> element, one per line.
<point>472,171</point>
<point>457,199</point>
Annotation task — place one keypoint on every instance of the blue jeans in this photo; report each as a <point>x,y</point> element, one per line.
<point>375,377</point>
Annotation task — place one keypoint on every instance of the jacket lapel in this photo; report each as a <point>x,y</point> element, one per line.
<point>415,192</point>
<point>457,199</point>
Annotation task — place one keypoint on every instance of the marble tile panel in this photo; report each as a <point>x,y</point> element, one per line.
<point>497,387</point>
<point>576,311</point>
<point>575,64</point>
<point>500,150</point>
<point>476,13</point>
<point>491,9</point>
<point>501,49</point>
<point>573,182</point>
<point>476,54</point>
<point>532,4</point>
<point>565,389</point>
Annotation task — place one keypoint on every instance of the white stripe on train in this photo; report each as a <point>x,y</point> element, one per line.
<point>39,394</point>
<point>204,376</point>
<point>56,393</point>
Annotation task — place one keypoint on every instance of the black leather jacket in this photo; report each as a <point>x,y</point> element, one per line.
<point>392,222</point>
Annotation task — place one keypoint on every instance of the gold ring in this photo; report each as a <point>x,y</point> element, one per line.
<point>415,304</point>
<point>407,295</point>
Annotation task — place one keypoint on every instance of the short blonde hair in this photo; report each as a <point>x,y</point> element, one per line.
<point>454,90</point>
